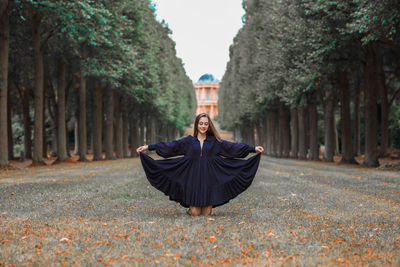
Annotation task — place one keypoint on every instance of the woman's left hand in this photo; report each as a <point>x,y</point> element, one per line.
<point>259,149</point>
<point>142,148</point>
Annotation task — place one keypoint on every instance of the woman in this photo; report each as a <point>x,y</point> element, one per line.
<point>207,175</point>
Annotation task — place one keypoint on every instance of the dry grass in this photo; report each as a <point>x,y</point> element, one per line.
<point>106,213</point>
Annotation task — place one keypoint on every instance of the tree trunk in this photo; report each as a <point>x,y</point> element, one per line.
<point>283,131</point>
<point>153,130</point>
<point>247,131</point>
<point>385,108</point>
<point>286,133</point>
<point>45,139</point>
<point>134,130</point>
<point>336,136</point>
<point>68,138</point>
<point>242,134</point>
<point>54,143</point>
<point>249,134</point>
<point>39,101</point>
<point>177,133</point>
<point>9,129</point>
<point>272,135</point>
<point>82,117</point>
<point>118,127</point>
<point>142,133</point>
<point>252,130</point>
<point>159,133</point>
<point>97,114</point>
<point>294,129</point>
<point>264,132</point>
<point>148,129</point>
<point>246,134</point>
<point>307,129</point>
<point>44,152</point>
<point>170,132</point>
<point>268,148</point>
<point>76,132</point>
<point>281,115</point>
<point>329,120</point>
<point>61,121</point>
<point>302,133</point>
<point>109,121</point>
<point>356,112</point>
<point>165,131</point>
<point>4,45</point>
<point>314,147</point>
<point>345,119</point>
<point>53,114</point>
<point>67,141</point>
<point>27,124</point>
<point>125,133</point>
<point>259,136</point>
<point>277,138</point>
<point>90,148</point>
<point>371,87</point>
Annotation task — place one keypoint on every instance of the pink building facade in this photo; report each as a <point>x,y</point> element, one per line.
<point>207,97</point>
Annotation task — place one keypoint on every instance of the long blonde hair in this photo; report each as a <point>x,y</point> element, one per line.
<point>211,128</point>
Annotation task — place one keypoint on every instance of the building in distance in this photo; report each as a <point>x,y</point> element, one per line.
<point>207,95</point>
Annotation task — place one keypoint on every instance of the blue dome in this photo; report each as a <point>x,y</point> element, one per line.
<point>207,78</point>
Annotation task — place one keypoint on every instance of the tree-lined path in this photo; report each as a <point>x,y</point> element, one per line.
<point>93,80</point>
<point>104,76</point>
<point>295,212</point>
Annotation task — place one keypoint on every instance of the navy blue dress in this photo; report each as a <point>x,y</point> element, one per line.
<point>207,176</point>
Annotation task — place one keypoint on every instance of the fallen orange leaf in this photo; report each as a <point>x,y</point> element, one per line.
<point>212,238</point>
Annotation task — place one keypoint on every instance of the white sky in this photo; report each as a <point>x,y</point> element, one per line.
<point>203,30</point>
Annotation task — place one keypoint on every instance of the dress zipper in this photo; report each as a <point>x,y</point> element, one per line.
<point>201,148</point>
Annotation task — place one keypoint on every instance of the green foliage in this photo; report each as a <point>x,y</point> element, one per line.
<point>288,50</point>
<point>376,21</point>
<point>121,43</point>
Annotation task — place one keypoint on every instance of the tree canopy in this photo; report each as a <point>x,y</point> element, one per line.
<point>291,52</point>
<point>60,52</point>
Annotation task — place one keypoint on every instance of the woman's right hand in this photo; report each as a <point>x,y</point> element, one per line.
<point>259,149</point>
<point>142,148</point>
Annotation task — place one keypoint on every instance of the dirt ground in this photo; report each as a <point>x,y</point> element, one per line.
<point>106,213</point>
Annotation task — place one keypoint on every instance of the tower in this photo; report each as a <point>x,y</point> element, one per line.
<point>207,95</point>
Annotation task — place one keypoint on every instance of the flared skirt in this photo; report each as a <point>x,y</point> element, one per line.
<point>201,181</point>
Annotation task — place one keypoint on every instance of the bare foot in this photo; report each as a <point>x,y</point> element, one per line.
<point>194,211</point>
<point>206,211</point>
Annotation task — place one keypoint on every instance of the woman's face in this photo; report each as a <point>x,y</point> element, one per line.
<point>203,125</point>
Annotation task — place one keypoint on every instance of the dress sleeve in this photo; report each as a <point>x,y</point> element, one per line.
<point>171,148</point>
<point>235,150</point>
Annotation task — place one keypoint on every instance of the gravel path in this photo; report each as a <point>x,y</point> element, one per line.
<point>295,213</point>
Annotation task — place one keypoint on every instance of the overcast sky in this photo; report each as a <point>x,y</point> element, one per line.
<point>203,30</point>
